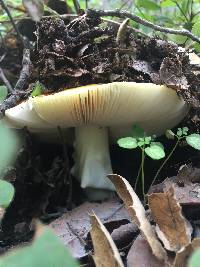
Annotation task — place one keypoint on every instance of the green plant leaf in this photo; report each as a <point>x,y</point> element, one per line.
<point>167,3</point>
<point>155,152</point>
<point>45,251</point>
<point>158,144</point>
<point>138,132</point>
<point>147,140</point>
<point>37,89</point>
<point>141,143</point>
<point>194,259</point>
<point>127,142</point>
<point>196,31</point>
<point>6,193</point>
<point>169,134</point>
<point>185,130</point>
<point>193,140</point>
<point>147,4</point>
<point>8,146</point>
<point>179,132</point>
<point>3,93</point>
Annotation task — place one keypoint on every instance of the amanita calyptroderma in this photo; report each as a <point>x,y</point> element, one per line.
<point>95,109</point>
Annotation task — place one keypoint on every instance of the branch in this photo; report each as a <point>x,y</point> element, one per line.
<point>5,80</point>
<point>18,92</point>
<point>125,14</point>
<point>25,72</point>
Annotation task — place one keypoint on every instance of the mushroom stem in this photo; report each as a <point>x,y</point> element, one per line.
<point>92,159</point>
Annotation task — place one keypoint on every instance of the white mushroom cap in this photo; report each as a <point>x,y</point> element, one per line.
<point>153,107</point>
<point>93,108</point>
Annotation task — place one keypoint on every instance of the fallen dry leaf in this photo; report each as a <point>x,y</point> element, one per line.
<point>124,235</point>
<point>172,228</point>
<point>137,213</point>
<point>106,253</point>
<point>140,255</point>
<point>182,255</point>
<point>186,190</point>
<point>73,227</point>
<point>189,194</point>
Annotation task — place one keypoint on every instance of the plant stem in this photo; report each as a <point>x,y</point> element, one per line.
<point>164,162</point>
<point>142,169</point>
<point>138,175</point>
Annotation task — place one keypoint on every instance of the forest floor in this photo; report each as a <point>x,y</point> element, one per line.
<point>84,51</point>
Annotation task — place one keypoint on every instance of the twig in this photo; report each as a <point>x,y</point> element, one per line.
<point>9,102</point>
<point>4,6</point>
<point>125,14</point>
<point>5,80</point>
<point>18,92</point>
<point>124,4</point>
<point>25,72</point>
<point>73,231</point>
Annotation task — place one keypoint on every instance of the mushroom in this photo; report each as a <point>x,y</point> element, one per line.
<point>95,109</point>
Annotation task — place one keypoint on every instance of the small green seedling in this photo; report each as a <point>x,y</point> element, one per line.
<point>154,150</point>
<point>38,89</point>
<point>192,140</point>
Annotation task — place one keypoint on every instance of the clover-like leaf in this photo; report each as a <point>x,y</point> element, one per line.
<point>155,152</point>
<point>158,144</point>
<point>147,140</point>
<point>185,130</point>
<point>179,132</point>
<point>6,193</point>
<point>194,140</point>
<point>127,142</point>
